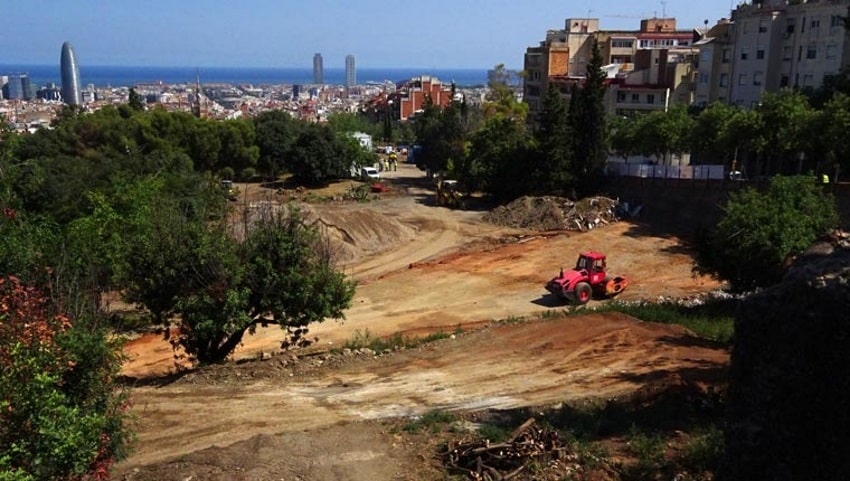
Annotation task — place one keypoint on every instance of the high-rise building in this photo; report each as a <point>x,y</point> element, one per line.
<point>350,72</point>
<point>70,76</point>
<point>318,69</point>
<point>18,87</point>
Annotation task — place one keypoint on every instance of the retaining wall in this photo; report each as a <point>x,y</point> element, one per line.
<point>684,207</point>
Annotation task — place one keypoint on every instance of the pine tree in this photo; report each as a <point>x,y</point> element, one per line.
<point>554,137</point>
<point>587,111</point>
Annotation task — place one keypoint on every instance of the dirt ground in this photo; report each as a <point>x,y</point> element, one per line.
<point>420,269</point>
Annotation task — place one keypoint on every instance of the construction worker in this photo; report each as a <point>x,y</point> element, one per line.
<point>825,178</point>
<point>394,161</point>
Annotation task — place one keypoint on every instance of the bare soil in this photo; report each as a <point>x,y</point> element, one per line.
<point>421,269</point>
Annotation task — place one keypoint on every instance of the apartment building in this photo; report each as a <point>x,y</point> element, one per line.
<point>714,65</point>
<point>639,61</point>
<point>770,45</point>
<point>410,96</point>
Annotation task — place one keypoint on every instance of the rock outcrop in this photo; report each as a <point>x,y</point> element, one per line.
<point>789,389</point>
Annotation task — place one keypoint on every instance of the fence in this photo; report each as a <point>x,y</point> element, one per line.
<point>648,171</point>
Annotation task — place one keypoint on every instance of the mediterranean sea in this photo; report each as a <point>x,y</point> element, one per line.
<point>104,76</point>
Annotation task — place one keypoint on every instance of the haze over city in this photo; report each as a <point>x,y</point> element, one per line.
<point>267,33</point>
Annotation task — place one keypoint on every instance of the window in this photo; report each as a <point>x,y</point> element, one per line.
<point>783,81</point>
<point>762,26</point>
<point>622,43</point>
<point>726,55</point>
<point>650,98</point>
<point>742,79</point>
<point>812,51</point>
<point>836,21</point>
<point>760,54</point>
<point>789,28</point>
<point>815,23</point>
<point>621,96</point>
<point>724,80</point>
<point>757,78</point>
<point>745,52</point>
<point>703,78</point>
<point>831,51</point>
<point>787,53</point>
<point>636,98</point>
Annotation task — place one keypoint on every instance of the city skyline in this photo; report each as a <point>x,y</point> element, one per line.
<point>264,33</point>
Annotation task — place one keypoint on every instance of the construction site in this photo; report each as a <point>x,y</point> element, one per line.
<point>423,266</point>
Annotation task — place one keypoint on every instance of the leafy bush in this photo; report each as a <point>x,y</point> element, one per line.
<point>227,173</point>
<point>61,414</point>
<point>247,174</point>
<point>758,231</point>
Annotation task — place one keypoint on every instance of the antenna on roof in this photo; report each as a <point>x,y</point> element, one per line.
<point>663,9</point>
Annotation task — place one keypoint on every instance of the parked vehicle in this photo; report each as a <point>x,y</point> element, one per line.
<point>369,173</point>
<point>586,280</point>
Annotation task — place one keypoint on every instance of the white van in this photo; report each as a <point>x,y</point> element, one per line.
<point>370,173</point>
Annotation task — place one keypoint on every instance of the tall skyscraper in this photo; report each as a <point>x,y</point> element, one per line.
<point>350,72</point>
<point>17,87</point>
<point>70,76</point>
<point>318,69</point>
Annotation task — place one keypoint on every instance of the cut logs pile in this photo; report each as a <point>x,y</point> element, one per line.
<point>557,213</point>
<point>528,445</point>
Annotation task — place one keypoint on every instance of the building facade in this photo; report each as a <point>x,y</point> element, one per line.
<point>71,92</point>
<point>771,45</point>
<point>350,72</point>
<point>645,61</point>
<point>318,69</point>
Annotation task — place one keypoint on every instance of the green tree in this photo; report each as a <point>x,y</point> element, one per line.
<point>710,137</point>
<point>622,136</point>
<point>787,116</point>
<point>135,101</point>
<point>317,156</point>
<point>829,133</point>
<point>758,231</point>
<point>276,135</point>
<point>497,159</point>
<point>501,99</point>
<point>660,133</point>
<point>221,288</point>
<point>553,168</point>
<point>587,112</point>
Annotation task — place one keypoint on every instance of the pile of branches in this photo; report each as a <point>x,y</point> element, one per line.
<point>557,213</point>
<point>528,445</point>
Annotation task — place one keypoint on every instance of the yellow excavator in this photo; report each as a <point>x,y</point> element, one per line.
<point>448,194</point>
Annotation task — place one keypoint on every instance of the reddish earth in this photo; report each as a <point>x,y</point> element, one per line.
<point>434,269</point>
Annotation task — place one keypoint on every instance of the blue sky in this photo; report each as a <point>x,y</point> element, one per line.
<point>286,33</point>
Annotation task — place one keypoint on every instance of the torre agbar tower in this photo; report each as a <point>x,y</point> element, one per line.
<point>70,76</point>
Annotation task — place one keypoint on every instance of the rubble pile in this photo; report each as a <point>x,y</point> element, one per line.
<point>528,445</point>
<point>556,213</point>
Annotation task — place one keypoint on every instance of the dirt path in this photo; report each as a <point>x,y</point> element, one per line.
<point>455,271</point>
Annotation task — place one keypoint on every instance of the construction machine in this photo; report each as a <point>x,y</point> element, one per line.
<point>587,280</point>
<point>449,194</point>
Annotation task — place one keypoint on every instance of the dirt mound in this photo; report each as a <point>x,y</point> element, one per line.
<point>555,213</point>
<point>356,232</point>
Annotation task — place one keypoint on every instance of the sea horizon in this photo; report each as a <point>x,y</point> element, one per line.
<point>128,76</point>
